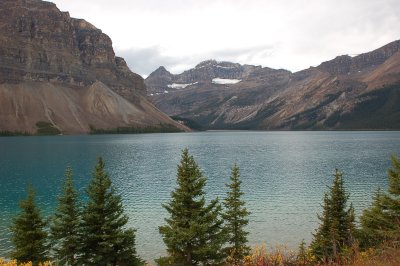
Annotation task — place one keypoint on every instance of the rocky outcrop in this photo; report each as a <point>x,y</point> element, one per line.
<point>208,70</point>
<point>344,93</point>
<point>41,46</point>
<point>161,81</point>
<point>346,65</point>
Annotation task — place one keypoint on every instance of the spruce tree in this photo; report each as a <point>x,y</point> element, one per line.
<point>28,232</point>
<point>235,218</point>
<point>65,224</point>
<point>302,255</point>
<point>105,241</point>
<point>194,232</point>
<point>381,222</point>
<point>335,234</point>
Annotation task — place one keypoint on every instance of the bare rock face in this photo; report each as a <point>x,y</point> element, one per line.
<point>208,70</point>
<point>346,65</point>
<point>159,80</point>
<point>41,44</point>
<point>162,80</point>
<point>38,42</point>
<point>361,92</point>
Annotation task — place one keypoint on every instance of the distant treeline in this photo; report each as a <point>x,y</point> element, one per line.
<point>197,232</point>
<point>6,133</point>
<point>48,129</point>
<point>189,123</point>
<point>42,129</point>
<point>161,128</point>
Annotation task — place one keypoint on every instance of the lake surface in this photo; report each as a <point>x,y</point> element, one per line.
<point>284,174</point>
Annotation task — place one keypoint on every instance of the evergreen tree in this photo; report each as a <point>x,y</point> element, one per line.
<point>381,222</point>
<point>302,256</point>
<point>65,224</point>
<point>335,233</point>
<point>28,232</point>
<point>194,232</point>
<point>104,239</point>
<point>236,219</point>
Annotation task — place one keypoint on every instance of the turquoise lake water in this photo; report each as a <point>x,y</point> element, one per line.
<point>285,175</point>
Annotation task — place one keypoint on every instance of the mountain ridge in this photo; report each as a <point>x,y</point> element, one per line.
<point>277,99</point>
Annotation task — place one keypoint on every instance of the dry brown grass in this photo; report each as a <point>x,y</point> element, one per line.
<point>4,262</point>
<point>282,256</point>
<point>382,257</point>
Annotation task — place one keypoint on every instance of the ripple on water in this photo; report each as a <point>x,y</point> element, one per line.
<point>284,174</point>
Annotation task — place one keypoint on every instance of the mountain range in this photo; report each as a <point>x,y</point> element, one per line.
<point>62,73</point>
<point>360,93</point>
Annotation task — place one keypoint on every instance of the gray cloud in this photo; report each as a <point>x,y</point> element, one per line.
<point>291,34</point>
<point>144,61</point>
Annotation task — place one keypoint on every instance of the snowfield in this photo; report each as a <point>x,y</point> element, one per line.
<point>225,81</point>
<point>226,67</point>
<point>180,86</point>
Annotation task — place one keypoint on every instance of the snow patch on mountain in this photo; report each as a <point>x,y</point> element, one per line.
<point>226,67</point>
<point>180,86</point>
<point>225,81</point>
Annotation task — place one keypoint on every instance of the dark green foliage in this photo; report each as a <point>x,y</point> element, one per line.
<point>302,256</point>
<point>65,224</point>
<point>161,128</point>
<point>308,119</point>
<point>334,237</point>
<point>42,129</point>
<point>332,120</point>
<point>235,218</point>
<point>189,123</point>
<point>256,123</point>
<point>7,133</point>
<point>28,232</point>
<point>104,239</point>
<point>46,128</point>
<point>194,232</point>
<point>378,109</point>
<point>381,222</point>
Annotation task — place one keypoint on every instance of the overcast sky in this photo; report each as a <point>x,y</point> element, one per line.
<point>290,34</point>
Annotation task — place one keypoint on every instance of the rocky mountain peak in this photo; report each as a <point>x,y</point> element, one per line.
<point>375,57</point>
<point>39,42</point>
<point>162,81</point>
<point>206,63</point>
<point>159,80</point>
<point>161,71</point>
<point>74,68</point>
<point>360,92</point>
<point>340,65</point>
<point>345,65</point>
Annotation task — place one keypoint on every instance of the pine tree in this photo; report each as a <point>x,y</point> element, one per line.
<point>302,256</point>
<point>335,233</point>
<point>28,232</point>
<point>65,224</point>
<point>381,222</point>
<point>194,232</point>
<point>104,239</point>
<point>236,219</point>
